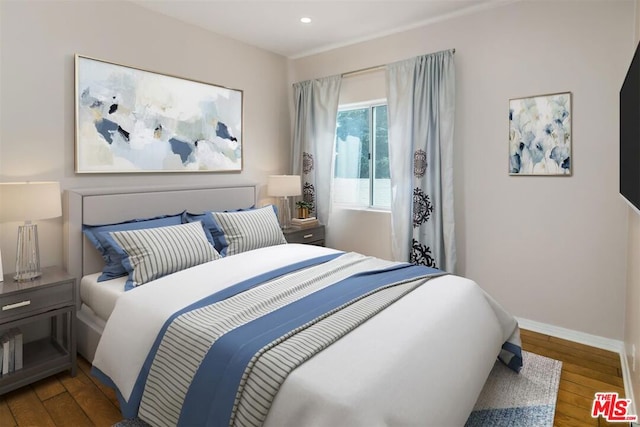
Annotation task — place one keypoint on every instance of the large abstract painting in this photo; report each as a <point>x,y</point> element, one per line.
<point>131,120</point>
<point>540,135</point>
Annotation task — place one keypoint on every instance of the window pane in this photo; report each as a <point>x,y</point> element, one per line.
<point>381,181</point>
<point>351,183</point>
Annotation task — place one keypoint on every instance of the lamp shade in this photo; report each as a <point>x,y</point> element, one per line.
<point>284,185</point>
<point>28,201</point>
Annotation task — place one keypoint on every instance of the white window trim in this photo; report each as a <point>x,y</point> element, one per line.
<point>362,104</point>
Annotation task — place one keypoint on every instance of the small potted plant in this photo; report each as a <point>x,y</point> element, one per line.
<point>303,209</point>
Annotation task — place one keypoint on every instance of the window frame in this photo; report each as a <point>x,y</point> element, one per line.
<point>370,105</point>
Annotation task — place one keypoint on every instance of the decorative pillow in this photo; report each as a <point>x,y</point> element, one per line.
<point>112,259</point>
<point>214,232</point>
<point>155,252</point>
<point>247,230</point>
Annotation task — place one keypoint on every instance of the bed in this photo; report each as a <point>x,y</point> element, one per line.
<point>414,347</point>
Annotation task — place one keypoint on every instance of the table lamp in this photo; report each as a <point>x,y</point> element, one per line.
<point>29,201</point>
<point>284,186</point>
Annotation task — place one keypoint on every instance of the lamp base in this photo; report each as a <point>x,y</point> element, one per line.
<point>27,254</point>
<point>286,214</point>
<point>25,277</point>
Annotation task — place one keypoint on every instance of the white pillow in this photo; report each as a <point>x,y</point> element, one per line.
<point>151,253</point>
<point>248,230</point>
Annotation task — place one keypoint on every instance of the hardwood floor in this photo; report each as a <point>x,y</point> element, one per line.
<point>61,400</point>
<point>83,401</point>
<point>585,371</point>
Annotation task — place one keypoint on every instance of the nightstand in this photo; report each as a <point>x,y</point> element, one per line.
<point>44,311</point>
<point>310,235</point>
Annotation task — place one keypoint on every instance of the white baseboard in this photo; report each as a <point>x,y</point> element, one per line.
<point>628,386</point>
<point>615,346</point>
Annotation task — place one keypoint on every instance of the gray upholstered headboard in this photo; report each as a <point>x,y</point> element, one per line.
<point>106,206</point>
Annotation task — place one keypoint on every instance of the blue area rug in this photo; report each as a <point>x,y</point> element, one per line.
<point>527,399</point>
<point>524,399</point>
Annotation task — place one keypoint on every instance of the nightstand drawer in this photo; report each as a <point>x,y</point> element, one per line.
<point>311,235</point>
<point>36,299</point>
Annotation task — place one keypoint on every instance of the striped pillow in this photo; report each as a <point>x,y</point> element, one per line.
<point>247,230</point>
<point>155,252</point>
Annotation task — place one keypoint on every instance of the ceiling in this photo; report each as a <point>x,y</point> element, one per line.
<point>275,25</point>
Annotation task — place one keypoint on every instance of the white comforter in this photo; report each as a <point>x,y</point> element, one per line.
<point>422,361</point>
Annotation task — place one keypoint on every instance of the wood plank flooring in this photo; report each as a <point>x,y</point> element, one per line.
<point>585,371</point>
<point>62,400</point>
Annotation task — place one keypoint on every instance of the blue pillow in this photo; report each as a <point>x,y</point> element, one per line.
<point>112,258</point>
<point>214,232</point>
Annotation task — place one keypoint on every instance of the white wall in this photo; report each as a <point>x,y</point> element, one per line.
<point>632,312</point>
<point>551,249</point>
<point>38,41</point>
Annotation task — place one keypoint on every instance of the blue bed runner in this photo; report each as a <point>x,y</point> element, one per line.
<point>231,353</point>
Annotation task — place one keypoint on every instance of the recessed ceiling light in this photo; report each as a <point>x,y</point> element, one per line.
<point>305,20</point>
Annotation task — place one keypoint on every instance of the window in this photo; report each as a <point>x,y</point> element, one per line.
<point>361,174</point>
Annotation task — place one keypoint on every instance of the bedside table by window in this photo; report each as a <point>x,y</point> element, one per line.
<point>311,235</point>
<point>28,307</point>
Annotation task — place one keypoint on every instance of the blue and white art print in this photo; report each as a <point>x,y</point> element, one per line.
<point>540,135</point>
<point>131,120</point>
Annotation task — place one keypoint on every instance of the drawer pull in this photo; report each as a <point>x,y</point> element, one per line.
<point>16,305</point>
<point>307,236</point>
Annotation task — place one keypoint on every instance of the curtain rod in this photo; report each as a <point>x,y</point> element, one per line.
<point>368,69</point>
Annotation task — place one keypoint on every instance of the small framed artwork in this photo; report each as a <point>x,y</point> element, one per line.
<point>130,120</point>
<point>540,135</point>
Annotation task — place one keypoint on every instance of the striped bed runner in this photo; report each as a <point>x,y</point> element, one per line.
<point>222,363</point>
<point>269,368</point>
